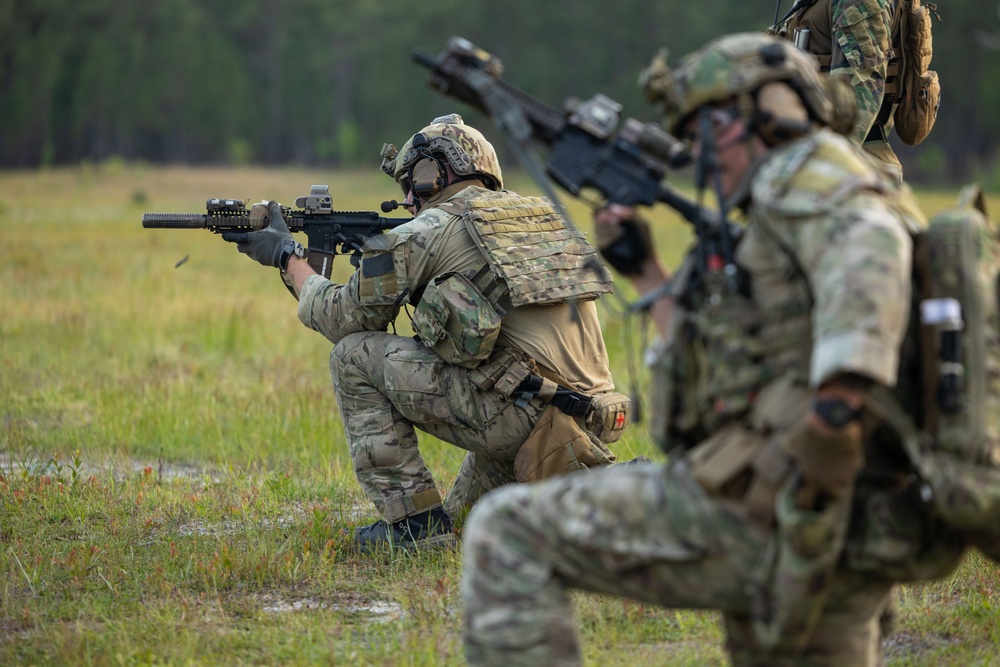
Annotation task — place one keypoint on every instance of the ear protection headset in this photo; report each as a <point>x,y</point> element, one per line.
<point>779,114</point>
<point>427,174</point>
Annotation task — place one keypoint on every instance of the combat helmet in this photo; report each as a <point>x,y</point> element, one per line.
<point>447,139</point>
<point>737,67</point>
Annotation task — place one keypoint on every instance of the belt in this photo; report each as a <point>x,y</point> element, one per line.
<point>573,403</point>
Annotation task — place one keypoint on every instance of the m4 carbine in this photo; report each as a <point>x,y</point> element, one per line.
<point>587,150</point>
<point>626,166</point>
<point>328,232</point>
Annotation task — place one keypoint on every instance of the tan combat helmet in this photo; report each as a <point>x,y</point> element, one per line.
<point>447,138</point>
<point>742,68</point>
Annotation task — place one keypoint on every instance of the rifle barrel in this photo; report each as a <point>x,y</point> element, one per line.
<point>422,58</point>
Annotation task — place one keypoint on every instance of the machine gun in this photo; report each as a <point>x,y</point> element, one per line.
<point>586,147</point>
<point>585,151</point>
<point>329,232</point>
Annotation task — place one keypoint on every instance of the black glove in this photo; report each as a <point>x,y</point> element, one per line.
<point>625,246</point>
<point>272,245</point>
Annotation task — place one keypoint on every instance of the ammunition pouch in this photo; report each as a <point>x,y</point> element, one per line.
<point>723,464</point>
<point>503,371</point>
<point>893,534</point>
<point>457,321</point>
<point>733,357</point>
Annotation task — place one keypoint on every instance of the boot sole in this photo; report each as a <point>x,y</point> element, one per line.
<point>445,541</point>
<point>433,543</point>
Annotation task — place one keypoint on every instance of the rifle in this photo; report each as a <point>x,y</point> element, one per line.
<point>329,232</point>
<point>626,167</point>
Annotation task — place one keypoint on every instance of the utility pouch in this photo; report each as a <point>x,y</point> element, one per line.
<point>728,327</point>
<point>723,464</point>
<point>920,90</point>
<point>794,579</point>
<point>894,534</point>
<point>556,446</point>
<point>503,371</point>
<point>608,416</point>
<point>455,320</point>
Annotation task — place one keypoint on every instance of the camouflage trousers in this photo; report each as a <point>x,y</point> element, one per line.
<point>645,532</point>
<point>386,386</point>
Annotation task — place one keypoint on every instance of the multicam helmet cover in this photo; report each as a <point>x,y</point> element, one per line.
<point>733,67</point>
<point>449,138</point>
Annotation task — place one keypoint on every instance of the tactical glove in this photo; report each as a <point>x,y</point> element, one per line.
<point>272,245</point>
<point>625,246</point>
<point>829,460</point>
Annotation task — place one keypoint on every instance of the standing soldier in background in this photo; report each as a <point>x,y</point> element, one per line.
<point>882,48</point>
<point>761,387</point>
<point>502,289</point>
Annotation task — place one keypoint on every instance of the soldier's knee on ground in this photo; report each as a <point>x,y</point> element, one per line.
<point>344,356</point>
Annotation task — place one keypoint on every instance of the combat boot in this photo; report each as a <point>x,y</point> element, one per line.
<point>428,530</point>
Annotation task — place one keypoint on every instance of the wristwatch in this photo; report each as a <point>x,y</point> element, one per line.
<point>835,412</point>
<point>289,249</point>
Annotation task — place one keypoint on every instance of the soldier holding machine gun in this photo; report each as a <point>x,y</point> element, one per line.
<point>770,348</point>
<point>509,361</point>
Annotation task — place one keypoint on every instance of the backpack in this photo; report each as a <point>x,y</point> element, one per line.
<point>950,427</point>
<point>913,91</point>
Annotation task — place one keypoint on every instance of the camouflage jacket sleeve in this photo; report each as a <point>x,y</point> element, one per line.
<point>827,206</point>
<point>336,311</point>
<point>861,49</point>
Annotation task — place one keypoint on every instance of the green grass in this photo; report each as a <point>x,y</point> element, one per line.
<point>175,476</point>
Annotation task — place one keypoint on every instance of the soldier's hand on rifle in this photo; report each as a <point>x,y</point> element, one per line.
<point>623,238</point>
<point>271,246</point>
<point>828,447</point>
<point>626,243</point>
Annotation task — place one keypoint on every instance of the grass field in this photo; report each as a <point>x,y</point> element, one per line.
<point>174,476</point>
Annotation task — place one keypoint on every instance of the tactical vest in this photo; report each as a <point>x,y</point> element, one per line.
<point>532,257</point>
<point>723,349</point>
<point>944,409</point>
<point>533,251</point>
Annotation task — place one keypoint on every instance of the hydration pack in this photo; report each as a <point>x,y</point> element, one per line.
<point>950,426</point>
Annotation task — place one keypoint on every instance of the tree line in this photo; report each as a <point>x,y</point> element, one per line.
<point>326,82</point>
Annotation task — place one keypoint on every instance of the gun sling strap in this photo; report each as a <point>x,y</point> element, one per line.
<point>573,403</point>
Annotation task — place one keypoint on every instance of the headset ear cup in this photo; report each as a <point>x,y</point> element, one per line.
<point>427,177</point>
<point>780,115</point>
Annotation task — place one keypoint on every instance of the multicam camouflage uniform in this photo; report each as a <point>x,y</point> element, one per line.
<point>827,248</point>
<point>386,385</point>
<point>852,39</point>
